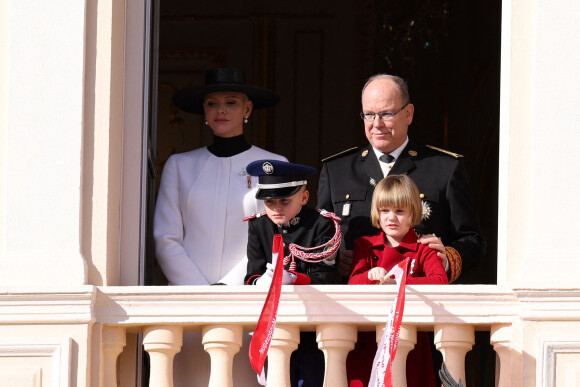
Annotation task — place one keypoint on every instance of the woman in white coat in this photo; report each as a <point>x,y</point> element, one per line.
<point>200,238</point>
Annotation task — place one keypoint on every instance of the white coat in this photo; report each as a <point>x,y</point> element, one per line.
<point>200,237</point>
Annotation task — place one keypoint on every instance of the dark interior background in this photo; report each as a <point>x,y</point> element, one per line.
<point>317,55</point>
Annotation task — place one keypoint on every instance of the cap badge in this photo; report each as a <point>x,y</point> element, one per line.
<point>413,153</point>
<point>365,153</point>
<point>268,168</point>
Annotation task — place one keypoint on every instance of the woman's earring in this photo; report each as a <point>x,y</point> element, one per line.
<point>245,119</point>
<point>206,122</point>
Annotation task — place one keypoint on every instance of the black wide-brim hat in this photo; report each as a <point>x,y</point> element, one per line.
<point>190,99</point>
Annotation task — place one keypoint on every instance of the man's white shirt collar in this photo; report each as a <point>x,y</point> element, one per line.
<point>386,167</point>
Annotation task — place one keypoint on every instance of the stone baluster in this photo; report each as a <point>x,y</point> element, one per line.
<point>500,338</point>
<point>336,341</point>
<point>454,341</point>
<point>113,341</point>
<point>222,342</point>
<point>407,341</point>
<point>284,341</point>
<point>162,343</point>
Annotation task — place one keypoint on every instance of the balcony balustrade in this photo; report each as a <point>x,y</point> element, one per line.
<point>335,312</point>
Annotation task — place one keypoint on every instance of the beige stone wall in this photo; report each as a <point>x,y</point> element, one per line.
<point>44,355</point>
<point>67,171</point>
<point>41,130</point>
<point>539,136</point>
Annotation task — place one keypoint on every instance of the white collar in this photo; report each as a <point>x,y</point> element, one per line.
<point>396,153</point>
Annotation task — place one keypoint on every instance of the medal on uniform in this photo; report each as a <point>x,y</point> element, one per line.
<point>346,209</point>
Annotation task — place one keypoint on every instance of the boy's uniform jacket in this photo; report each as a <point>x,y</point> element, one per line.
<point>307,229</point>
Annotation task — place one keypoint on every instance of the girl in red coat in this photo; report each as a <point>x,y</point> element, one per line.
<point>396,208</point>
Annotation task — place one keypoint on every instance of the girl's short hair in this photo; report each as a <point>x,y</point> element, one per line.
<point>397,191</point>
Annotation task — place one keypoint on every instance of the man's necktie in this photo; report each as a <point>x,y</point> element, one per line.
<point>386,159</point>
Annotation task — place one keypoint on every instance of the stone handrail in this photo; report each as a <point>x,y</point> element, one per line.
<point>86,327</point>
<point>335,312</point>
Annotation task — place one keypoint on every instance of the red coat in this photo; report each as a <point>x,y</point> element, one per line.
<point>372,251</point>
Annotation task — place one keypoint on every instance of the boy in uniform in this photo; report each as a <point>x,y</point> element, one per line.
<point>311,241</point>
<point>311,237</point>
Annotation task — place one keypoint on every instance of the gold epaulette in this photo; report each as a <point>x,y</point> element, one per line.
<point>346,151</point>
<point>456,155</point>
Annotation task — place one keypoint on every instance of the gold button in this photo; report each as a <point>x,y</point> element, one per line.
<point>422,196</point>
<point>347,196</point>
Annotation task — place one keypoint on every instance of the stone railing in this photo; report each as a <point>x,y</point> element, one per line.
<point>336,313</point>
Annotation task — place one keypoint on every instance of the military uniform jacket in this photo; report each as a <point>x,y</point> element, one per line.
<point>307,229</point>
<point>348,181</point>
<point>372,251</point>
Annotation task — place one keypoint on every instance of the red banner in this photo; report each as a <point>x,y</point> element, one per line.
<point>381,375</point>
<point>267,322</point>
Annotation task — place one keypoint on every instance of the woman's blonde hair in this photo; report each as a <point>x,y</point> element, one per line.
<point>397,191</point>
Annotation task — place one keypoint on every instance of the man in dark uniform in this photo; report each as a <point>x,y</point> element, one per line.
<point>347,180</point>
<point>347,183</point>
